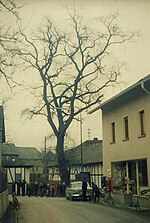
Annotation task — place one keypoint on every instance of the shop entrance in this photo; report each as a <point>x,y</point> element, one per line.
<point>129,176</point>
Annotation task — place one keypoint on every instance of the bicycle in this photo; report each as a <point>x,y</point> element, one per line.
<point>15,202</point>
<point>106,196</point>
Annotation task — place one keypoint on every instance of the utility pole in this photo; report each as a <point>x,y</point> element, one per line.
<point>45,146</point>
<point>45,163</point>
<point>81,141</point>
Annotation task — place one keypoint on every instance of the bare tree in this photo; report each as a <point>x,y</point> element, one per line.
<point>74,68</point>
<point>8,8</point>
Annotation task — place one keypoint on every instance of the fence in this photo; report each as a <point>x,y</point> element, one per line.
<point>3,180</point>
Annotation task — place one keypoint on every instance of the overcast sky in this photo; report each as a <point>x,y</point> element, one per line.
<point>133,15</point>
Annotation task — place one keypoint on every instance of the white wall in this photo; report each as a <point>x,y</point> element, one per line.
<point>134,148</point>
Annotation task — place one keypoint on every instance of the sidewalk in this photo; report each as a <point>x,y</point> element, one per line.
<point>10,215</point>
<point>144,213</point>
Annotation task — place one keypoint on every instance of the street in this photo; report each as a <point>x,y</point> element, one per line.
<point>60,210</point>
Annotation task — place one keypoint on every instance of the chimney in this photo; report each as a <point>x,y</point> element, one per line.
<point>95,139</point>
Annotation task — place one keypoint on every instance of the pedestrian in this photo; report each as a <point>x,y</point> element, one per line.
<point>84,189</point>
<point>18,187</point>
<point>36,189</point>
<point>48,190</point>
<point>44,189</point>
<point>62,189</point>
<point>58,190</point>
<point>52,190</point>
<point>29,185</point>
<point>40,189</point>
<point>23,185</point>
<point>13,188</point>
<point>96,192</point>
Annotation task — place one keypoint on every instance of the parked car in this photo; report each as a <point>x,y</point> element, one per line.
<point>74,191</point>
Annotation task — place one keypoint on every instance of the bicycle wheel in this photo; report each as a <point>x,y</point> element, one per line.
<point>111,200</point>
<point>102,199</point>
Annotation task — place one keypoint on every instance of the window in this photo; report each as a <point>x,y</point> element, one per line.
<point>142,127</point>
<point>126,128</point>
<point>143,179</point>
<point>119,176</point>
<point>113,132</point>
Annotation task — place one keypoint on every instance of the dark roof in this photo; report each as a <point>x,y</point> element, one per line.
<point>21,152</point>
<point>50,157</point>
<point>91,152</point>
<point>134,91</point>
<point>138,89</point>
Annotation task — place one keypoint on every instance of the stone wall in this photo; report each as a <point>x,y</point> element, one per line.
<point>123,199</point>
<point>129,200</point>
<point>143,202</point>
<point>3,202</point>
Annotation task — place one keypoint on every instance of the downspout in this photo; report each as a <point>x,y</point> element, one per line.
<point>143,87</point>
<point>148,92</point>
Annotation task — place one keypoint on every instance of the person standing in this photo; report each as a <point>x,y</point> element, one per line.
<point>40,189</point>
<point>23,184</point>
<point>58,190</point>
<point>13,188</point>
<point>18,187</point>
<point>62,189</point>
<point>84,188</point>
<point>36,189</point>
<point>48,190</point>
<point>29,189</point>
<point>44,189</point>
<point>52,190</point>
<point>96,192</point>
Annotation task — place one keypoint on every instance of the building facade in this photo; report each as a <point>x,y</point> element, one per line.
<point>22,163</point>
<point>3,175</point>
<point>126,138</point>
<point>91,160</point>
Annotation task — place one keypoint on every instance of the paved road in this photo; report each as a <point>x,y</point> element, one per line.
<point>60,210</point>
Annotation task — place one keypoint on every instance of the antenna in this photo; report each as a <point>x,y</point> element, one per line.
<point>89,134</point>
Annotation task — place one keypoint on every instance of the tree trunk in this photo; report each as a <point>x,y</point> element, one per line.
<point>62,162</point>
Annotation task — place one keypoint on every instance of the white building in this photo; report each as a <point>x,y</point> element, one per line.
<point>126,138</point>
